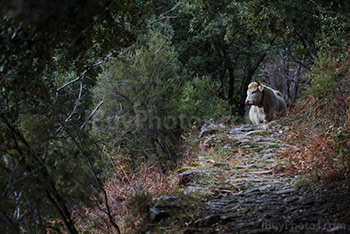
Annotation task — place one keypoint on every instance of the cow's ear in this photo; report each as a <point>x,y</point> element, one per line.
<point>261,88</point>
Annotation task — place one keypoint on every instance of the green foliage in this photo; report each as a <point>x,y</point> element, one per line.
<point>328,77</point>
<point>222,47</point>
<point>47,69</point>
<point>45,157</point>
<point>200,102</point>
<point>141,96</point>
<point>50,60</point>
<point>43,30</point>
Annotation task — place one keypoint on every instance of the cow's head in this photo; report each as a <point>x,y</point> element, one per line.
<point>254,94</point>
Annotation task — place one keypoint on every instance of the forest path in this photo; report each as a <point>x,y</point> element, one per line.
<point>234,177</point>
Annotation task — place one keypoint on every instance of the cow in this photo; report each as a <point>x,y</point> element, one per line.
<point>265,102</point>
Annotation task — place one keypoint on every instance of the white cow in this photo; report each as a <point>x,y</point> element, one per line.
<point>265,102</point>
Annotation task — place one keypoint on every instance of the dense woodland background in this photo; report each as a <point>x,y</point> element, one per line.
<point>88,84</point>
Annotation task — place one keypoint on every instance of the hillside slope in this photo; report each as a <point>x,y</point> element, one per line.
<point>231,186</point>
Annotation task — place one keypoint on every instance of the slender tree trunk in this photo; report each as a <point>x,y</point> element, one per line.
<point>222,78</point>
<point>285,80</point>
<point>295,83</point>
<point>251,69</point>
<point>231,86</point>
<point>56,200</point>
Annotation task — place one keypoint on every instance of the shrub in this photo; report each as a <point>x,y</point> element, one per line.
<point>329,76</point>
<point>129,195</point>
<point>199,101</point>
<point>141,97</point>
<point>321,124</point>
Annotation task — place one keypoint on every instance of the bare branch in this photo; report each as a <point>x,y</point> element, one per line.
<point>73,81</point>
<point>82,75</point>
<point>164,15</point>
<point>92,113</point>
<point>76,103</point>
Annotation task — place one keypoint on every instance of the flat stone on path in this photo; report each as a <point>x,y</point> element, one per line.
<point>261,172</point>
<point>220,164</point>
<point>285,191</point>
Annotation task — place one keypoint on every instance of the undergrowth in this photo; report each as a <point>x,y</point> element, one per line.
<point>320,125</point>
<point>129,194</point>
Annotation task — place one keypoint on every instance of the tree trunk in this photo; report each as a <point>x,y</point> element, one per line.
<point>285,80</point>
<point>222,76</point>
<point>222,81</point>
<point>295,83</point>
<point>251,69</point>
<point>231,86</point>
<point>56,200</point>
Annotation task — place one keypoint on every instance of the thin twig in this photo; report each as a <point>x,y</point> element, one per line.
<point>92,113</point>
<point>76,104</point>
<point>72,81</point>
<point>163,16</point>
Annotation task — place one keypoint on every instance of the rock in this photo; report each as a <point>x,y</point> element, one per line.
<point>242,128</point>
<point>183,169</point>
<point>207,132</point>
<point>210,141</point>
<point>224,191</point>
<point>166,199</point>
<point>264,126</point>
<point>293,208</point>
<point>220,164</point>
<point>268,151</point>
<point>268,156</point>
<point>199,190</point>
<point>166,202</point>
<point>207,221</point>
<point>238,138</point>
<point>269,144</point>
<point>261,172</point>
<point>242,166</point>
<point>285,191</point>
<point>285,128</point>
<point>291,199</point>
<point>254,132</point>
<point>188,176</point>
<point>204,159</point>
<point>229,218</point>
<point>211,127</point>
<point>156,215</point>
<point>308,202</point>
<point>253,190</point>
<point>247,201</point>
<point>265,188</point>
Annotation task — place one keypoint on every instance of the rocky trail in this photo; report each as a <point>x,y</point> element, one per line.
<point>234,180</point>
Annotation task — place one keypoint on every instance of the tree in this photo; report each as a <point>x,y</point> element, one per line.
<point>141,98</point>
<point>303,29</point>
<point>223,47</point>
<point>231,40</point>
<point>50,52</point>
